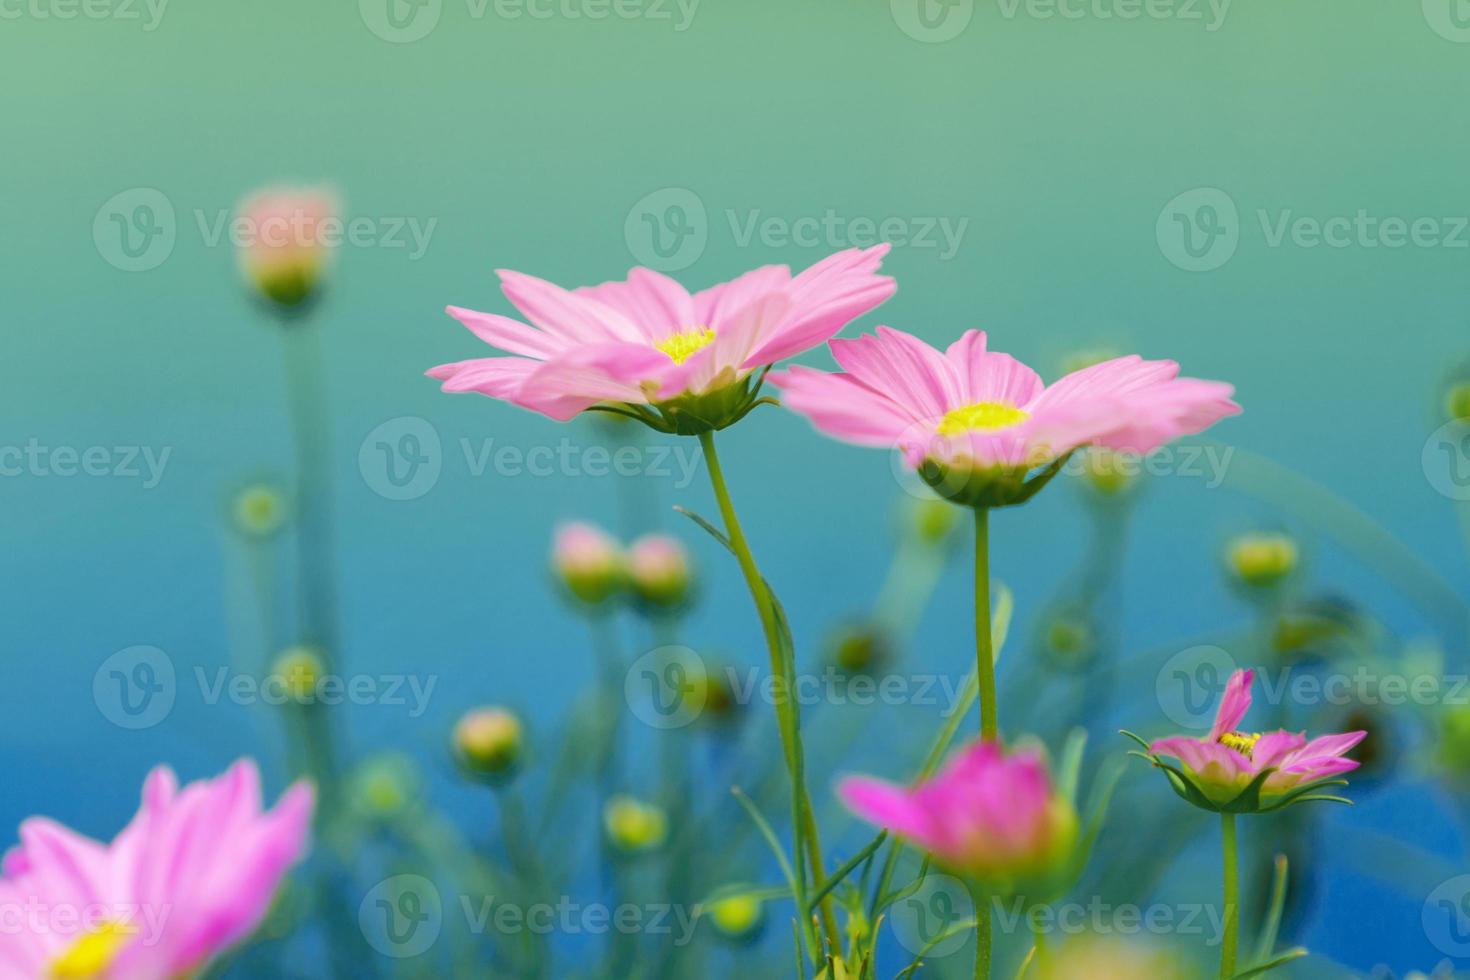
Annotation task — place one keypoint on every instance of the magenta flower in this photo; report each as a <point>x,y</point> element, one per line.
<point>974,422</point>
<point>1239,772</point>
<point>192,875</point>
<point>986,815</point>
<point>680,362</point>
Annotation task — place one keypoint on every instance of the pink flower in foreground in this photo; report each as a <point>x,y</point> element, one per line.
<point>191,875</point>
<point>1222,765</point>
<point>987,815</point>
<point>284,238</point>
<point>680,362</point>
<point>974,422</point>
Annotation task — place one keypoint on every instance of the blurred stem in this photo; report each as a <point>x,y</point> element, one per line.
<point>984,653</point>
<point>982,934</point>
<point>787,710</point>
<point>1232,897</point>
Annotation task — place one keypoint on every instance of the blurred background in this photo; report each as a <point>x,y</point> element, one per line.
<point>1270,195</point>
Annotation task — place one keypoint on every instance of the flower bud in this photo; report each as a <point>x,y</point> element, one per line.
<point>634,826</point>
<point>1107,472</point>
<point>488,742</point>
<point>1261,559</point>
<point>297,670</point>
<point>588,562</point>
<point>932,518</point>
<point>658,570</point>
<point>737,917</point>
<point>1453,751</point>
<point>284,246</point>
<point>384,786</point>
<point>1112,958</point>
<point>1457,402</point>
<point>259,511</point>
<point>860,648</point>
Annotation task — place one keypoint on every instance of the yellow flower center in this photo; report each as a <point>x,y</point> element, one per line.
<point>684,344</point>
<point>1239,741</point>
<point>92,955</point>
<point>981,417</point>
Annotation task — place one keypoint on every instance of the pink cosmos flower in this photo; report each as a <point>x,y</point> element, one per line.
<point>646,341</point>
<point>285,239</point>
<point>1225,762</point>
<point>968,412</point>
<point>986,814</point>
<point>190,876</point>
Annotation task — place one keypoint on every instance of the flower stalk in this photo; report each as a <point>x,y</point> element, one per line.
<point>787,711</point>
<point>1231,939</point>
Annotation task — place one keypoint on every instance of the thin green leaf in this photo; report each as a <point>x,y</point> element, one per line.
<point>766,832</point>
<point>1272,924</point>
<point>1069,769</point>
<point>709,528</point>
<point>1280,961</point>
<point>846,869</point>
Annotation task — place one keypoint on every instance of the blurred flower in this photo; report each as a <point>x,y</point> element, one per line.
<point>1108,472</point>
<point>1261,559</point>
<point>737,917</point>
<point>259,510</point>
<point>987,815</point>
<point>679,363</point>
<point>658,570</point>
<point>710,687</point>
<point>192,875</point>
<point>588,561</point>
<point>634,826</point>
<point>384,786</point>
<point>488,741</point>
<point>1239,772</point>
<point>1070,642</point>
<point>285,247</point>
<point>860,647</point>
<point>1099,958</point>
<point>297,670</point>
<point>975,423</point>
<point>932,519</point>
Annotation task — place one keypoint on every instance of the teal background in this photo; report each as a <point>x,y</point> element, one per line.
<point>528,141</point>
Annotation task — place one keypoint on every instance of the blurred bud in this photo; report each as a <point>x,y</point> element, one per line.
<point>1107,472</point>
<point>298,670</point>
<point>932,518</point>
<point>1261,559</point>
<point>1098,958</point>
<point>634,826</point>
<point>860,648</point>
<point>588,562</point>
<point>259,511</point>
<point>488,742</point>
<point>283,247</point>
<point>737,917</point>
<point>1455,401</point>
<point>1453,751</point>
<point>658,570</point>
<point>384,786</point>
<point>710,687</point>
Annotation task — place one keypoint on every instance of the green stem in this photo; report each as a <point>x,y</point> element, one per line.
<point>1232,897</point>
<point>984,654</point>
<point>982,935</point>
<point>787,711</point>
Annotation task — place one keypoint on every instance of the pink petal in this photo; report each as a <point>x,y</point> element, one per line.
<point>511,336</point>
<point>1234,704</point>
<point>824,299</point>
<point>843,407</point>
<point>653,302</point>
<point>885,805</point>
<point>715,305</point>
<point>564,314</point>
<point>991,377</point>
<point>498,377</point>
<point>907,370</point>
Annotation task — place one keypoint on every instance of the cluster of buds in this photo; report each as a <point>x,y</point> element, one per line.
<point>594,568</point>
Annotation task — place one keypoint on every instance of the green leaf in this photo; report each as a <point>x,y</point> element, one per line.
<point>846,869</point>
<point>1273,911</point>
<point>1069,769</point>
<point>1249,799</point>
<point>1282,960</point>
<point>709,528</point>
<point>764,827</point>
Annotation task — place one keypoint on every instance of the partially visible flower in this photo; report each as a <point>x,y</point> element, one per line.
<point>1238,772</point>
<point>1099,958</point>
<point>285,244</point>
<point>975,423</point>
<point>259,510</point>
<point>634,826</point>
<point>588,561</point>
<point>297,672</point>
<point>488,741</point>
<point>1262,559</point>
<point>987,815</point>
<point>658,571</point>
<point>192,875</point>
<point>679,362</point>
<point>736,917</point>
